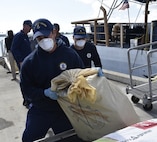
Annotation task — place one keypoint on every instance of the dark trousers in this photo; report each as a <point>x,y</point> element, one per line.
<point>39,121</point>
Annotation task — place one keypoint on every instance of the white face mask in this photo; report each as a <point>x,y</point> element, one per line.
<point>80,43</point>
<point>46,44</point>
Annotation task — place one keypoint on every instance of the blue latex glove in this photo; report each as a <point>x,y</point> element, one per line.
<point>51,94</point>
<point>100,72</point>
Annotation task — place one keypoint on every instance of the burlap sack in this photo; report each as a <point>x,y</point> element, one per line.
<point>94,105</point>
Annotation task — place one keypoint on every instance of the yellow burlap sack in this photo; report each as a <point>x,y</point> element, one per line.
<point>94,105</point>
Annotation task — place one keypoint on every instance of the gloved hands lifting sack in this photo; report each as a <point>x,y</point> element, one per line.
<point>100,72</point>
<point>51,94</point>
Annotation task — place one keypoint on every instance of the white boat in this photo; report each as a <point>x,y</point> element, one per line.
<point>130,50</point>
<point>113,53</point>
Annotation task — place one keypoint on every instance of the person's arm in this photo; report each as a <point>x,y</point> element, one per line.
<point>28,85</point>
<point>15,48</point>
<point>96,57</point>
<point>67,41</point>
<point>6,44</point>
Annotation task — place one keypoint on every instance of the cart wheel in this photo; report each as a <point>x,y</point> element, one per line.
<point>135,99</point>
<point>148,107</point>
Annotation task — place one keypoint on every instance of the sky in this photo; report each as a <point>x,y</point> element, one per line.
<point>63,12</point>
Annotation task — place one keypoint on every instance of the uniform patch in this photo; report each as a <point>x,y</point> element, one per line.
<point>63,66</point>
<point>89,55</point>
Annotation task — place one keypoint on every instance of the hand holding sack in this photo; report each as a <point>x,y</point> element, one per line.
<point>51,94</point>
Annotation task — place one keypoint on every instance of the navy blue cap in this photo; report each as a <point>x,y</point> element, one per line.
<point>79,32</point>
<point>28,22</point>
<point>42,27</point>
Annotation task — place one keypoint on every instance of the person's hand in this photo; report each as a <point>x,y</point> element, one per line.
<point>100,72</point>
<point>51,94</point>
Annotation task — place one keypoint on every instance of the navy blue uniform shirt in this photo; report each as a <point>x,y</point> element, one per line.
<point>65,39</point>
<point>40,67</point>
<point>8,42</point>
<point>21,46</point>
<point>88,54</point>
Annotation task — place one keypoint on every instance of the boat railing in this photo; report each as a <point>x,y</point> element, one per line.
<point>96,25</point>
<point>148,64</point>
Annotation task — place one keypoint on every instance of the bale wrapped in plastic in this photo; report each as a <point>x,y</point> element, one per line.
<point>94,105</point>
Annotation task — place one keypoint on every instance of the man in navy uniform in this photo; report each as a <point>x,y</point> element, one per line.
<point>21,44</point>
<point>50,59</point>
<point>21,48</point>
<point>86,50</point>
<point>59,35</point>
<point>8,43</point>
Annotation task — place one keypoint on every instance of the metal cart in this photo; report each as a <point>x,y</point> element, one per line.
<point>147,92</point>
